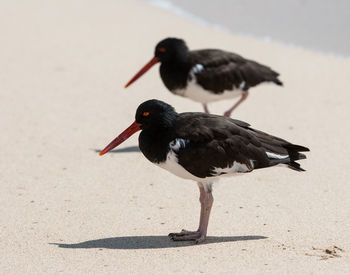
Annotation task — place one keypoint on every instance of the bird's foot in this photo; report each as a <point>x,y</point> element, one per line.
<point>186,235</point>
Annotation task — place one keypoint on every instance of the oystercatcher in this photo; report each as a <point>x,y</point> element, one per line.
<point>206,75</point>
<point>204,147</point>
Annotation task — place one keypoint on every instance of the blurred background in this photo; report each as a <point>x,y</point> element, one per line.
<point>318,25</point>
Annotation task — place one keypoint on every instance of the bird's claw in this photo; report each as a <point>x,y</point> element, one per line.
<point>186,235</point>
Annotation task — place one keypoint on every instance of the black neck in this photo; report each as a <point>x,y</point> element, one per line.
<point>154,143</point>
<point>175,73</point>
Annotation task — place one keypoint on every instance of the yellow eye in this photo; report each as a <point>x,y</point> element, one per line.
<point>145,114</point>
<point>161,49</point>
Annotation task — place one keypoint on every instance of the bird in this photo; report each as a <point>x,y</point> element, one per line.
<point>204,148</point>
<point>206,75</point>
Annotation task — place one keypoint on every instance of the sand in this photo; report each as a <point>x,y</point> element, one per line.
<point>66,210</point>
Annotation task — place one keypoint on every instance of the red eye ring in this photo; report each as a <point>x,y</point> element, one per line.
<point>161,49</point>
<point>145,114</point>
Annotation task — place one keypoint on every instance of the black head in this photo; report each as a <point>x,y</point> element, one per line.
<point>155,114</point>
<point>167,50</point>
<point>171,49</point>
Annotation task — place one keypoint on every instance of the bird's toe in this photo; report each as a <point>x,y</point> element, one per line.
<point>186,235</point>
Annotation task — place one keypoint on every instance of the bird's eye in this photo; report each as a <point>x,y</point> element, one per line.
<point>145,114</point>
<point>161,49</point>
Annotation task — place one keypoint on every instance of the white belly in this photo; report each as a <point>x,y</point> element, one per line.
<point>172,165</point>
<point>198,94</point>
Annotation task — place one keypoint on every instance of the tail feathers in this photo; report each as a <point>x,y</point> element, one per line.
<point>290,160</point>
<point>295,147</point>
<point>256,73</point>
<point>295,166</point>
<point>288,163</point>
<point>271,75</point>
<point>274,78</point>
<point>277,82</point>
<point>293,152</point>
<point>301,156</point>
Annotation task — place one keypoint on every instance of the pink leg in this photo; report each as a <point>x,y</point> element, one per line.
<point>229,111</point>
<point>206,110</point>
<point>206,199</point>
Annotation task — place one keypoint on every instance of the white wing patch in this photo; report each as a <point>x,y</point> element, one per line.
<point>276,156</point>
<point>197,69</point>
<point>178,143</point>
<point>235,168</point>
<point>242,85</point>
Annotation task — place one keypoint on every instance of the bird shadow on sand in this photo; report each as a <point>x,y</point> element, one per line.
<point>129,149</point>
<point>149,242</point>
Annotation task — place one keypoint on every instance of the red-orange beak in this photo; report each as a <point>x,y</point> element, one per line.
<point>132,129</point>
<point>153,61</point>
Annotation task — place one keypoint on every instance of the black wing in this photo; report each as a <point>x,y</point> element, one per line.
<point>227,71</point>
<point>217,142</point>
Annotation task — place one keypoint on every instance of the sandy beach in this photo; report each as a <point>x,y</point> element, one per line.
<point>66,210</point>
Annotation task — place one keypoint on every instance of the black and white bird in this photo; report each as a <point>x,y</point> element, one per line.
<point>204,147</point>
<point>206,75</point>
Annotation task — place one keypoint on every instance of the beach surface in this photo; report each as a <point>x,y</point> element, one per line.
<point>64,209</point>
